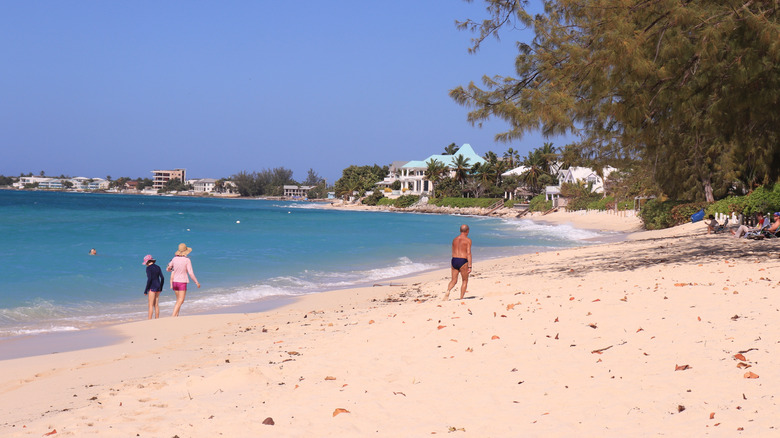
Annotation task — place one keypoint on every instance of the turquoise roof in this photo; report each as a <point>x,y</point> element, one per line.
<point>464,150</point>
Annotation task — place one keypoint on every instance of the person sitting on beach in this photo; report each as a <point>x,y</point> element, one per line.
<point>775,225</point>
<point>461,261</point>
<point>744,229</point>
<point>181,271</point>
<point>713,225</point>
<point>154,285</point>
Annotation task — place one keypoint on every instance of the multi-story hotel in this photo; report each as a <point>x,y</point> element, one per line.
<point>163,176</point>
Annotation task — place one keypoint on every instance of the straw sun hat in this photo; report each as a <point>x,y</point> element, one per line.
<point>183,250</point>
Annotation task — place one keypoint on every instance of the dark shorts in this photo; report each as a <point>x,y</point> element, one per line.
<point>458,263</point>
<point>179,286</point>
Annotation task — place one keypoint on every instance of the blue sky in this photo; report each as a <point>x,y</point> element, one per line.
<point>96,88</point>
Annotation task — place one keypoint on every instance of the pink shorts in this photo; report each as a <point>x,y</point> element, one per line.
<point>179,286</point>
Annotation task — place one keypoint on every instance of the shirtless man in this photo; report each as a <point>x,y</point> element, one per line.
<point>461,261</point>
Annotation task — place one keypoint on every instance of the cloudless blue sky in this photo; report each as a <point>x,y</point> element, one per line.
<point>96,88</point>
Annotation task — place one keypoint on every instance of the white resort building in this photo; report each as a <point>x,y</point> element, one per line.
<point>203,185</point>
<point>300,192</point>
<point>575,175</point>
<point>412,174</point>
<point>77,183</point>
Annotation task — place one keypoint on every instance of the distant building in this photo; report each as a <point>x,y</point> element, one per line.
<point>297,191</point>
<point>77,183</point>
<point>24,180</point>
<point>203,185</point>
<point>83,183</point>
<point>131,185</point>
<point>412,174</point>
<point>163,176</point>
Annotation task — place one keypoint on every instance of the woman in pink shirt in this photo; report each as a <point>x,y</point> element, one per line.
<point>180,268</point>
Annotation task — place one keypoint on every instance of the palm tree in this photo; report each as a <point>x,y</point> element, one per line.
<point>485,173</point>
<point>490,157</point>
<point>535,163</point>
<point>434,172</point>
<point>500,167</point>
<point>460,165</point>
<point>451,149</point>
<point>549,155</point>
<point>513,156</point>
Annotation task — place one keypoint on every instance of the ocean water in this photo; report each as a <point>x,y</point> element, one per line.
<point>244,251</point>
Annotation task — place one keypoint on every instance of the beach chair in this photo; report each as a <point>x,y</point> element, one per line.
<point>721,228</point>
<point>769,234</point>
<point>758,234</point>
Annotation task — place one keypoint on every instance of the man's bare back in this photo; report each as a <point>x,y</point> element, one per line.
<point>461,261</point>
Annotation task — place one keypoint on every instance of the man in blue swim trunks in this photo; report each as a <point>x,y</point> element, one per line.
<point>461,261</point>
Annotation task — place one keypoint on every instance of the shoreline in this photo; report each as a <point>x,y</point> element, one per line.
<point>103,333</point>
<point>633,338</point>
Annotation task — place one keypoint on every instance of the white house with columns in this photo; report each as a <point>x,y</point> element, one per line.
<point>412,175</point>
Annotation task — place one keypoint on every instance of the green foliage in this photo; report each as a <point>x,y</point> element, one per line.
<point>386,201</point>
<point>607,203</point>
<point>6,180</point>
<point>448,187</point>
<point>664,214</point>
<point>539,204</point>
<point>374,198</point>
<point>395,185</point>
<point>682,213</point>
<point>175,185</point>
<point>406,201</point>
<point>658,214</point>
<point>268,182</point>
<point>464,202</point>
<point>673,84</point>
<point>359,179</point>
<point>762,200</point>
<point>579,196</point>
<point>144,182</point>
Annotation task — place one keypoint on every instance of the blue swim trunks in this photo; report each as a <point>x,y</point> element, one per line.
<point>458,262</point>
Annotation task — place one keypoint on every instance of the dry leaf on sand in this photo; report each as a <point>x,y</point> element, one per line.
<point>340,411</point>
<point>739,356</point>
<point>495,337</point>
<point>330,378</point>
<point>751,375</point>
<point>682,367</point>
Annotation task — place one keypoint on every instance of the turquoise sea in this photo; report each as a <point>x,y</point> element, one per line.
<point>244,251</point>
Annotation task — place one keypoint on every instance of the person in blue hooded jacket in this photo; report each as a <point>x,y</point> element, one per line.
<point>154,285</point>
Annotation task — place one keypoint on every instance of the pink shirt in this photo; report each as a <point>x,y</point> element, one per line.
<point>181,267</point>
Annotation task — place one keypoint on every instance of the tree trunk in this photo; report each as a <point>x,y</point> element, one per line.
<point>707,182</point>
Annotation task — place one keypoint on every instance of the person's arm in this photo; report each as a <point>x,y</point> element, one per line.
<point>468,253</point>
<point>191,272</point>
<point>162,280</point>
<point>148,280</point>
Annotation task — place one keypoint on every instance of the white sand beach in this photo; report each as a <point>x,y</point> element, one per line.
<point>670,333</point>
